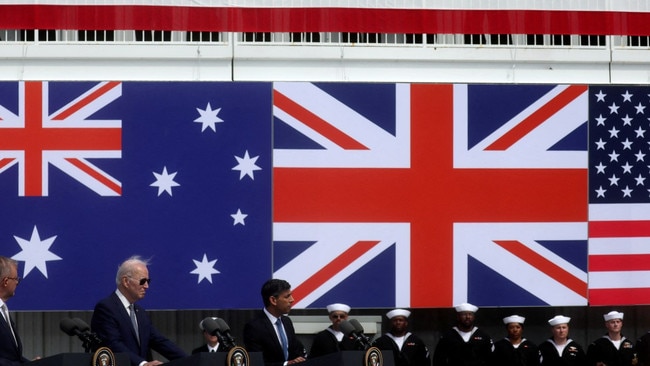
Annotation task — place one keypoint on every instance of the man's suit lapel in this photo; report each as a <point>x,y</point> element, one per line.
<point>272,331</point>
<point>126,318</point>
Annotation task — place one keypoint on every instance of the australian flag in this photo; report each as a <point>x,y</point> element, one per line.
<point>92,173</point>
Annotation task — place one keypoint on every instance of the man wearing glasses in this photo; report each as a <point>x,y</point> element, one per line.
<point>11,349</point>
<point>331,339</point>
<point>124,326</point>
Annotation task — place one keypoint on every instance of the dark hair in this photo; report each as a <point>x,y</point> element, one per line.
<point>273,287</point>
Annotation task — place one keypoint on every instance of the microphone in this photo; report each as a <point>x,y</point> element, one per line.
<point>79,328</point>
<point>219,329</point>
<point>69,327</point>
<point>229,340</point>
<point>85,329</point>
<point>353,329</point>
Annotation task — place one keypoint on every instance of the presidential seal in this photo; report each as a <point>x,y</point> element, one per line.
<point>237,356</point>
<point>373,357</point>
<point>103,357</point>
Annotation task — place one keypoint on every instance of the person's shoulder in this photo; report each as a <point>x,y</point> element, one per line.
<point>203,348</point>
<point>414,338</point>
<point>529,343</point>
<point>107,301</point>
<point>257,320</point>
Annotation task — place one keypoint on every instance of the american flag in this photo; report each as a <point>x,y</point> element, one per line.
<point>460,178</point>
<point>193,163</point>
<point>619,200</point>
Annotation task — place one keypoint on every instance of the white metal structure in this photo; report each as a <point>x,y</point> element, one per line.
<point>369,57</point>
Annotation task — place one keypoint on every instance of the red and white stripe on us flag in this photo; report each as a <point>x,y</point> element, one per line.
<point>619,263</point>
<point>611,17</point>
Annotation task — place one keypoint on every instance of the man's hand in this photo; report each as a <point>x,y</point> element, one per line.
<point>153,363</point>
<point>296,360</point>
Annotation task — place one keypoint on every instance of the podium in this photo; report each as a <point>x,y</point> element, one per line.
<point>347,358</point>
<point>77,359</point>
<point>214,359</point>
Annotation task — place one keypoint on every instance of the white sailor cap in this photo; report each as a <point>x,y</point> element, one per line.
<point>201,323</point>
<point>398,312</point>
<point>514,319</point>
<point>465,307</point>
<point>613,315</point>
<point>338,307</point>
<point>559,319</point>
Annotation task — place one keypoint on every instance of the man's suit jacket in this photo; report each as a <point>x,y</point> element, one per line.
<point>112,324</point>
<point>260,336</point>
<point>10,354</point>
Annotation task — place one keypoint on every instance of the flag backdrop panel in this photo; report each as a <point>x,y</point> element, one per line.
<point>187,157</point>
<point>378,195</point>
<point>619,198</point>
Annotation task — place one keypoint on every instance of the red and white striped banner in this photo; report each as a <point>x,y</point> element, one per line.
<point>611,17</point>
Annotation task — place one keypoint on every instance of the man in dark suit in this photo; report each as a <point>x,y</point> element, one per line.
<point>11,349</point>
<point>211,341</point>
<point>272,332</point>
<point>113,323</point>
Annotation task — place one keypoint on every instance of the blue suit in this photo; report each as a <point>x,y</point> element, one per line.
<point>10,354</point>
<point>112,324</point>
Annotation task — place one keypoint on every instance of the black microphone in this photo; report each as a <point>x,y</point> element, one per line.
<point>229,340</point>
<point>78,327</point>
<point>69,327</point>
<point>352,328</point>
<point>85,329</point>
<point>81,325</point>
<point>214,328</point>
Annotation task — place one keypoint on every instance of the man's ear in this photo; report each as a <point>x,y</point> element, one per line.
<point>273,300</point>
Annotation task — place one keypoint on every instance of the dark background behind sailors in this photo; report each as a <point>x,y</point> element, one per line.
<point>41,334</point>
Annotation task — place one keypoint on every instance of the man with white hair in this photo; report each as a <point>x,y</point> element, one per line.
<point>331,339</point>
<point>612,349</point>
<point>464,344</point>
<point>408,349</point>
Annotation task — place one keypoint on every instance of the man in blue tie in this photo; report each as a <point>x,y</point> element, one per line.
<point>272,332</point>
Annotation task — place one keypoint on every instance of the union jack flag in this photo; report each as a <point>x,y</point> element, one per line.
<point>478,157</point>
<point>36,134</point>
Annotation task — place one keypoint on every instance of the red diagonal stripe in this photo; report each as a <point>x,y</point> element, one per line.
<point>85,101</point>
<point>333,267</point>
<point>4,162</point>
<point>537,118</point>
<point>551,269</point>
<point>316,123</point>
<point>93,173</point>
<point>619,229</point>
<point>619,262</point>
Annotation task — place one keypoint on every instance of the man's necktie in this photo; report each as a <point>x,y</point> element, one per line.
<point>283,339</point>
<point>134,321</point>
<point>5,314</point>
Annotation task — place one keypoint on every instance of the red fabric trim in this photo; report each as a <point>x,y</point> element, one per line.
<point>93,17</point>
